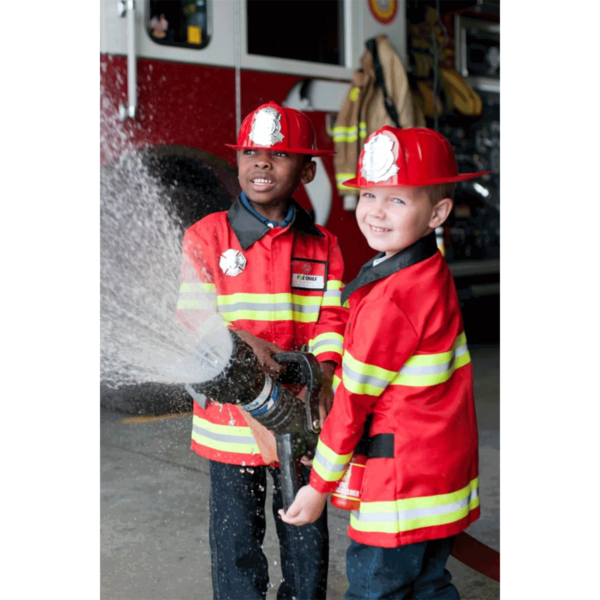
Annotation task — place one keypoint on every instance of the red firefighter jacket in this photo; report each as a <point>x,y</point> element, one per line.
<point>280,284</point>
<point>406,362</point>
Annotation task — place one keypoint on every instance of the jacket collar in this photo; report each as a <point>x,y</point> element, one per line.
<point>248,229</point>
<point>421,250</point>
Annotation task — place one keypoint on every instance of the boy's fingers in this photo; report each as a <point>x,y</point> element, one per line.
<point>296,520</point>
<point>274,367</point>
<point>293,511</point>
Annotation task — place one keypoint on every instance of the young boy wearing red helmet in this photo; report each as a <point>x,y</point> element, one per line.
<point>405,363</point>
<point>276,278</point>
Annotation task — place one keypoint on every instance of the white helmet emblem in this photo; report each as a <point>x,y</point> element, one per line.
<point>232,262</point>
<point>266,128</point>
<point>378,159</point>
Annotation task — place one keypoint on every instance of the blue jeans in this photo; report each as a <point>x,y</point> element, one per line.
<point>416,571</point>
<point>237,531</point>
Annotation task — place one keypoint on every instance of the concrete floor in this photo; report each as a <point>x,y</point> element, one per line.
<point>154,506</point>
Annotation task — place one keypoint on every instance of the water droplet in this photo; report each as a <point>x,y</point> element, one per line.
<point>243,463</point>
<point>242,470</point>
<point>250,470</point>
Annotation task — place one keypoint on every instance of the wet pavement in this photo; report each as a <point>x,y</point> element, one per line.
<point>154,506</point>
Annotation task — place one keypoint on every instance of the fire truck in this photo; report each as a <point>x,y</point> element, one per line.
<point>177,78</point>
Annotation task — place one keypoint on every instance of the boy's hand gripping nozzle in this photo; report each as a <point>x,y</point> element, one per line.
<point>294,422</point>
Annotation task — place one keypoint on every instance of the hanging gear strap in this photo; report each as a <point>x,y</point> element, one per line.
<point>380,81</point>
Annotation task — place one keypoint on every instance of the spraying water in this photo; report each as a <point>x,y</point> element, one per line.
<point>141,340</point>
<point>141,233</point>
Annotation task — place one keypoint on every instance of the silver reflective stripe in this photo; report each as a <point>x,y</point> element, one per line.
<point>360,378</point>
<point>328,465</point>
<point>415,513</point>
<point>219,437</point>
<point>333,294</point>
<point>435,369</point>
<point>428,369</point>
<point>269,307</point>
<point>462,349</point>
<point>328,342</point>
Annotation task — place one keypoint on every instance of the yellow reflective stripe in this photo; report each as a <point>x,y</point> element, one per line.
<point>333,293</point>
<point>335,382</point>
<point>436,359</point>
<point>333,302</point>
<point>326,342</point>
<point>362,378</point>
<point>331,456</point>
<point>196,295</point>
<point>329,465</point>
<point>432,369</point>
<point>278,315</point>
<point>269,299</point>
<point>326,336</point>
<point>270,307</point>
<point>345,139</point>
<point>223,437</point>
<point>350,134</point>
<point>419,370</point>
<point>345,134</point>
<point>205,288</point>
<point>341,177</point>
<point>413,513</point>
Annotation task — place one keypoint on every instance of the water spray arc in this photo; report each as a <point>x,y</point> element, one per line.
<point>294,421</point>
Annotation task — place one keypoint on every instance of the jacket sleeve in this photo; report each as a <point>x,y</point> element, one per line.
<point>328,333</point>
<point>382,340</point>
<point>197,296</point>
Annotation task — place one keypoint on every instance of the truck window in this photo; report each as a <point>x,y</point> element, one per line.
<point>297,29</point>
<point>178,23</point>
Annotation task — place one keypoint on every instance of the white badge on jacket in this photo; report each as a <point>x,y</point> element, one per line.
<point>232,262</point>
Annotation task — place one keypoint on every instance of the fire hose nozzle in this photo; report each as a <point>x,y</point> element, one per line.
<point>294,422</point>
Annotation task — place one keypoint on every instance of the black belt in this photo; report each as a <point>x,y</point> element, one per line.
<point>381,446</point>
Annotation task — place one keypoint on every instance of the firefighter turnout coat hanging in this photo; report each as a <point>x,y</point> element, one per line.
<point>406,362</point>
<point>381,80</point>
<point>280,284</point>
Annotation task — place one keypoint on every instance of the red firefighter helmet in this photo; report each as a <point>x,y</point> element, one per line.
<point>405,157</point>
<point>276,128</point>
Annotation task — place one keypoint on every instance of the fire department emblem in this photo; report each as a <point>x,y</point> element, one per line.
<point>232,262</point>
<point>378,160</point>
<point>266,128</point>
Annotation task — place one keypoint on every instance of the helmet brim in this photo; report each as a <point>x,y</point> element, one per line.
<point>290,150</point>
<point>354,182</point>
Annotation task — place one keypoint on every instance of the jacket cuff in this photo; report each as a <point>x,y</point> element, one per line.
<point>322,486</point>
<point>334,357</point>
